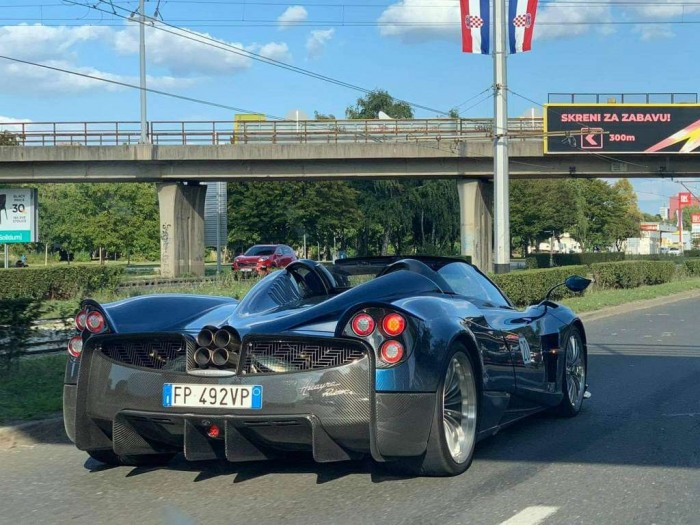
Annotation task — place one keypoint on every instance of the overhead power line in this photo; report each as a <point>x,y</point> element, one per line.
<point>134,86</point>
<point>211,42</point>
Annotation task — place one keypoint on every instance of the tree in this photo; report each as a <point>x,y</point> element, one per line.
<point>121,218</point>
<point>10,139</point>
<point>538,208</point>
<point>323,116</point>
<point>688,211</point>
<point>453,113</point>
<point>282,212</point>
<point>626,215</point>
<point>369,106</point>
<point>600,208</point>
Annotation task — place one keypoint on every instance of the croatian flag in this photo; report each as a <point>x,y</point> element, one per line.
<point>521,23</point>
<point>475,26</point>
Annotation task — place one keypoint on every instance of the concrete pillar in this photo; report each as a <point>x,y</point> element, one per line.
<point>476,222</point>
<point>181,229</point>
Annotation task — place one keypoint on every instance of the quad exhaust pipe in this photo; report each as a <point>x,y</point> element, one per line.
<point>202,356</point>
<point>217,347</point>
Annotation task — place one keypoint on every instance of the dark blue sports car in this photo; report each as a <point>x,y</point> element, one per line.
<point>409,360</point>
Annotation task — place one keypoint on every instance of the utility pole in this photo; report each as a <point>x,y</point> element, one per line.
<point>142,55</point>
<point>500,145</point>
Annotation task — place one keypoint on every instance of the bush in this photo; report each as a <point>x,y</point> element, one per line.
<point>541,260</point>
<point>530,286</point>
<point>692,267</point>
<point>58,282</point>
<point>631,274</point>
<point>16,317</point>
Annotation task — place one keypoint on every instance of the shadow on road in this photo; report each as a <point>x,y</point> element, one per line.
<point>297,463</point>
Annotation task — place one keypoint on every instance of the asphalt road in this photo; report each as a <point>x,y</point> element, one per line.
<point>631,457</point>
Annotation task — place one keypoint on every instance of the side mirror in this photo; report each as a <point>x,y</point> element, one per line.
<point>576,283</point>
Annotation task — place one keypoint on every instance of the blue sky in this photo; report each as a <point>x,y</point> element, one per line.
<point>411,48</point>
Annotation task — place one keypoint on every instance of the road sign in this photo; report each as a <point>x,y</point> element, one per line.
<point>591,138</point>
<point>622,128</point>
<point>18,215</point>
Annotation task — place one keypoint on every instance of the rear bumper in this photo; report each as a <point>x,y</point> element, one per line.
<point>334,413</point>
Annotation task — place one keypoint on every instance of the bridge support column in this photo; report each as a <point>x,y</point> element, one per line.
<point>181,228</point>
<point>476,222</point>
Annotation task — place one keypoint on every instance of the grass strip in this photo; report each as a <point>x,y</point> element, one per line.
<point>597,299</point>
<point>32,389</point>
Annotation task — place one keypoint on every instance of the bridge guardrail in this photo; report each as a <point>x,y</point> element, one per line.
<point>113,133</point>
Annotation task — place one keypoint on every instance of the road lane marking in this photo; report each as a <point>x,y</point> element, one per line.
<point>531,515</point>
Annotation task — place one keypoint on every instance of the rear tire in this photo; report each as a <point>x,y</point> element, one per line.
<point>453,432</point>
<point>574,375</point>
<point>108,457</point>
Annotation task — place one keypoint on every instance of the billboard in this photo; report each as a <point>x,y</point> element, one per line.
<point>695,222</point>
<point>18,215</point>
<point>622,128</point>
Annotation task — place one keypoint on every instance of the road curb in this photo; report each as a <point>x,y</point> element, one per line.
<point>638,305</point>
<point>51,430</point>
<point>32,433</point>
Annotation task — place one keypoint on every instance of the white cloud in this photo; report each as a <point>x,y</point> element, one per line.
<point>180,53</point>
<point>37,42</point>
<point>292,15</point>
<point>416,20</point>
<point>559,21</point>
<point>317,41</point>
<point>185,53</point>
<point>24,78</point>
<point>274,50</point>
<point>12,124</point>
<point>665,9</point>
<point>654,31</point>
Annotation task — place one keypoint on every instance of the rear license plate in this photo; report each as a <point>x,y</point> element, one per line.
<point>212,396</point>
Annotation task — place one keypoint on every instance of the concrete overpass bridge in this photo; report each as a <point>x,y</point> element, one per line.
<point>182,154</point>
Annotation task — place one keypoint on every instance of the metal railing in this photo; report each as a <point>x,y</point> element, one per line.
<point>179,133</point>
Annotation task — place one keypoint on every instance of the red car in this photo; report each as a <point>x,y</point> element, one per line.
<point>261,257</point>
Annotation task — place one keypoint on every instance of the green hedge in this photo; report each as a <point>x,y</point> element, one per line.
<point>692,267</point>
<point>58,282</point>
<point>631,274</point>
<point>541,260</point>
<point>16,317</point>
<point>530,286</point>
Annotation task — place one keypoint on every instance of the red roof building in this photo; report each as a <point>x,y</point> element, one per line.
<point>683,200</point>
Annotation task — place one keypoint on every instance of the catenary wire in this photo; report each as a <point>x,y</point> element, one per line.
<point>134,86</point>
<point>203,39</point>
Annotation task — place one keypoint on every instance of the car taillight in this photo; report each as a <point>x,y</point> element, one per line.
<point>95,322</point>
<point>81,320</point>
<point>391,352</point>
<point>75,346</point>
<point>393,325</point>
<point>363,325</point>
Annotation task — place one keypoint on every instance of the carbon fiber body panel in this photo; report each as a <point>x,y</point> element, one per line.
<point>330,412</point>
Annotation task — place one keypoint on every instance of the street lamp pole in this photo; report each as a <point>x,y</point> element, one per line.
<point>142,55</point>
<point>500,144</point>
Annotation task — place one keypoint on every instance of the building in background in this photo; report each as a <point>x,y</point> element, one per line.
<point>664,213</point>
<point>682,200</point>
<point>655,237</point>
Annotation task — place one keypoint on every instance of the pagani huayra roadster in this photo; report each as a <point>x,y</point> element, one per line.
<point>409,360</point>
